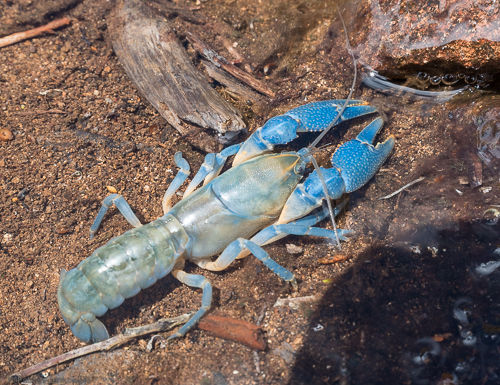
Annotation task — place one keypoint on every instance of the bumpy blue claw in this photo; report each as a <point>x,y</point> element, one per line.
<point>369,133</point>
<point>317,116</point>
<point>312,117</point>
<point>354,164</point>
<point>358,160</point>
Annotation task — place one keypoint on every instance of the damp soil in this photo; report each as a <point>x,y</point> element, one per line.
<point>80,129</point>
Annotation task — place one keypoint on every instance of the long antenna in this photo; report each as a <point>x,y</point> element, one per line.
<point>337,118</point>
<point>351,91</point>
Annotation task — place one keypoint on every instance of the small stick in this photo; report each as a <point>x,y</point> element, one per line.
<point>162,325</point>
<point>40,112</point>
<point>222,62</point>
<point>20,36</point>
<point>403,188</point>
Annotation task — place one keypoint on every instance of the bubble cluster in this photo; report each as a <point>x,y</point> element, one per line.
<point>425,80</point>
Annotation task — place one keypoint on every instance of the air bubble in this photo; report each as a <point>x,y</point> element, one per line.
<point>435,80</point>
<point>449,79</point>
<point>423,76</point>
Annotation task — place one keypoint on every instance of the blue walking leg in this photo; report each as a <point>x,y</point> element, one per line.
<point>239,245</point>
<point>210,168</point>
<point>201,282</point>
<point>220,160</point>
<point>177,182</point>
<point>274,232</point>
<point>205,169</point>
<point>122,205</point>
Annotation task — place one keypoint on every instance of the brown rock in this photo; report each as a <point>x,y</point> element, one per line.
<point>456,35</point>
<point>6,135</point>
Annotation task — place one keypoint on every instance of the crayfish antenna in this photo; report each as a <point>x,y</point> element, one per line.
<point>313,145</point>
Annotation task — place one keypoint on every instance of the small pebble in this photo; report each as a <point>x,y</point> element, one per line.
<point>111,189</point>
<point>7,238</point>
<point>63,229</point>
<point>6,135</point>
<point>293,249</point>
<point>485,189</point>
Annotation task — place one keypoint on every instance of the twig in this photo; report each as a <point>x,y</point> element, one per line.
<point>233,85</point>
<point>20,36</point>
<point>256,361</point>
<point>111,343</point>
<point>402,188</point>
<point>40,112</point>
<point>222,62</point>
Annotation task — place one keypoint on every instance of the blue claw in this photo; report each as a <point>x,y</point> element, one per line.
<point>317,116</point>
<point>354,164</point>
<point>358,160</point>
<point>369,133</point>
<point>312,117</point>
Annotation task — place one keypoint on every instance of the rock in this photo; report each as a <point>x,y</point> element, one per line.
<point>438,37</point>
<point>7,238</point>
<point>293,249</point>
<point>6,135</point>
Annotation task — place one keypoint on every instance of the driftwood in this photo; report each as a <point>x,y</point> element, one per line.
<point>158,65</point>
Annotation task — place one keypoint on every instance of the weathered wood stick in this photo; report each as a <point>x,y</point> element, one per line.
<point>158,65</point>
<point>233,329</point>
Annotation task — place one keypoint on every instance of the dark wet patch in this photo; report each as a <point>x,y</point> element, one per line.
<point>375,315</point>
